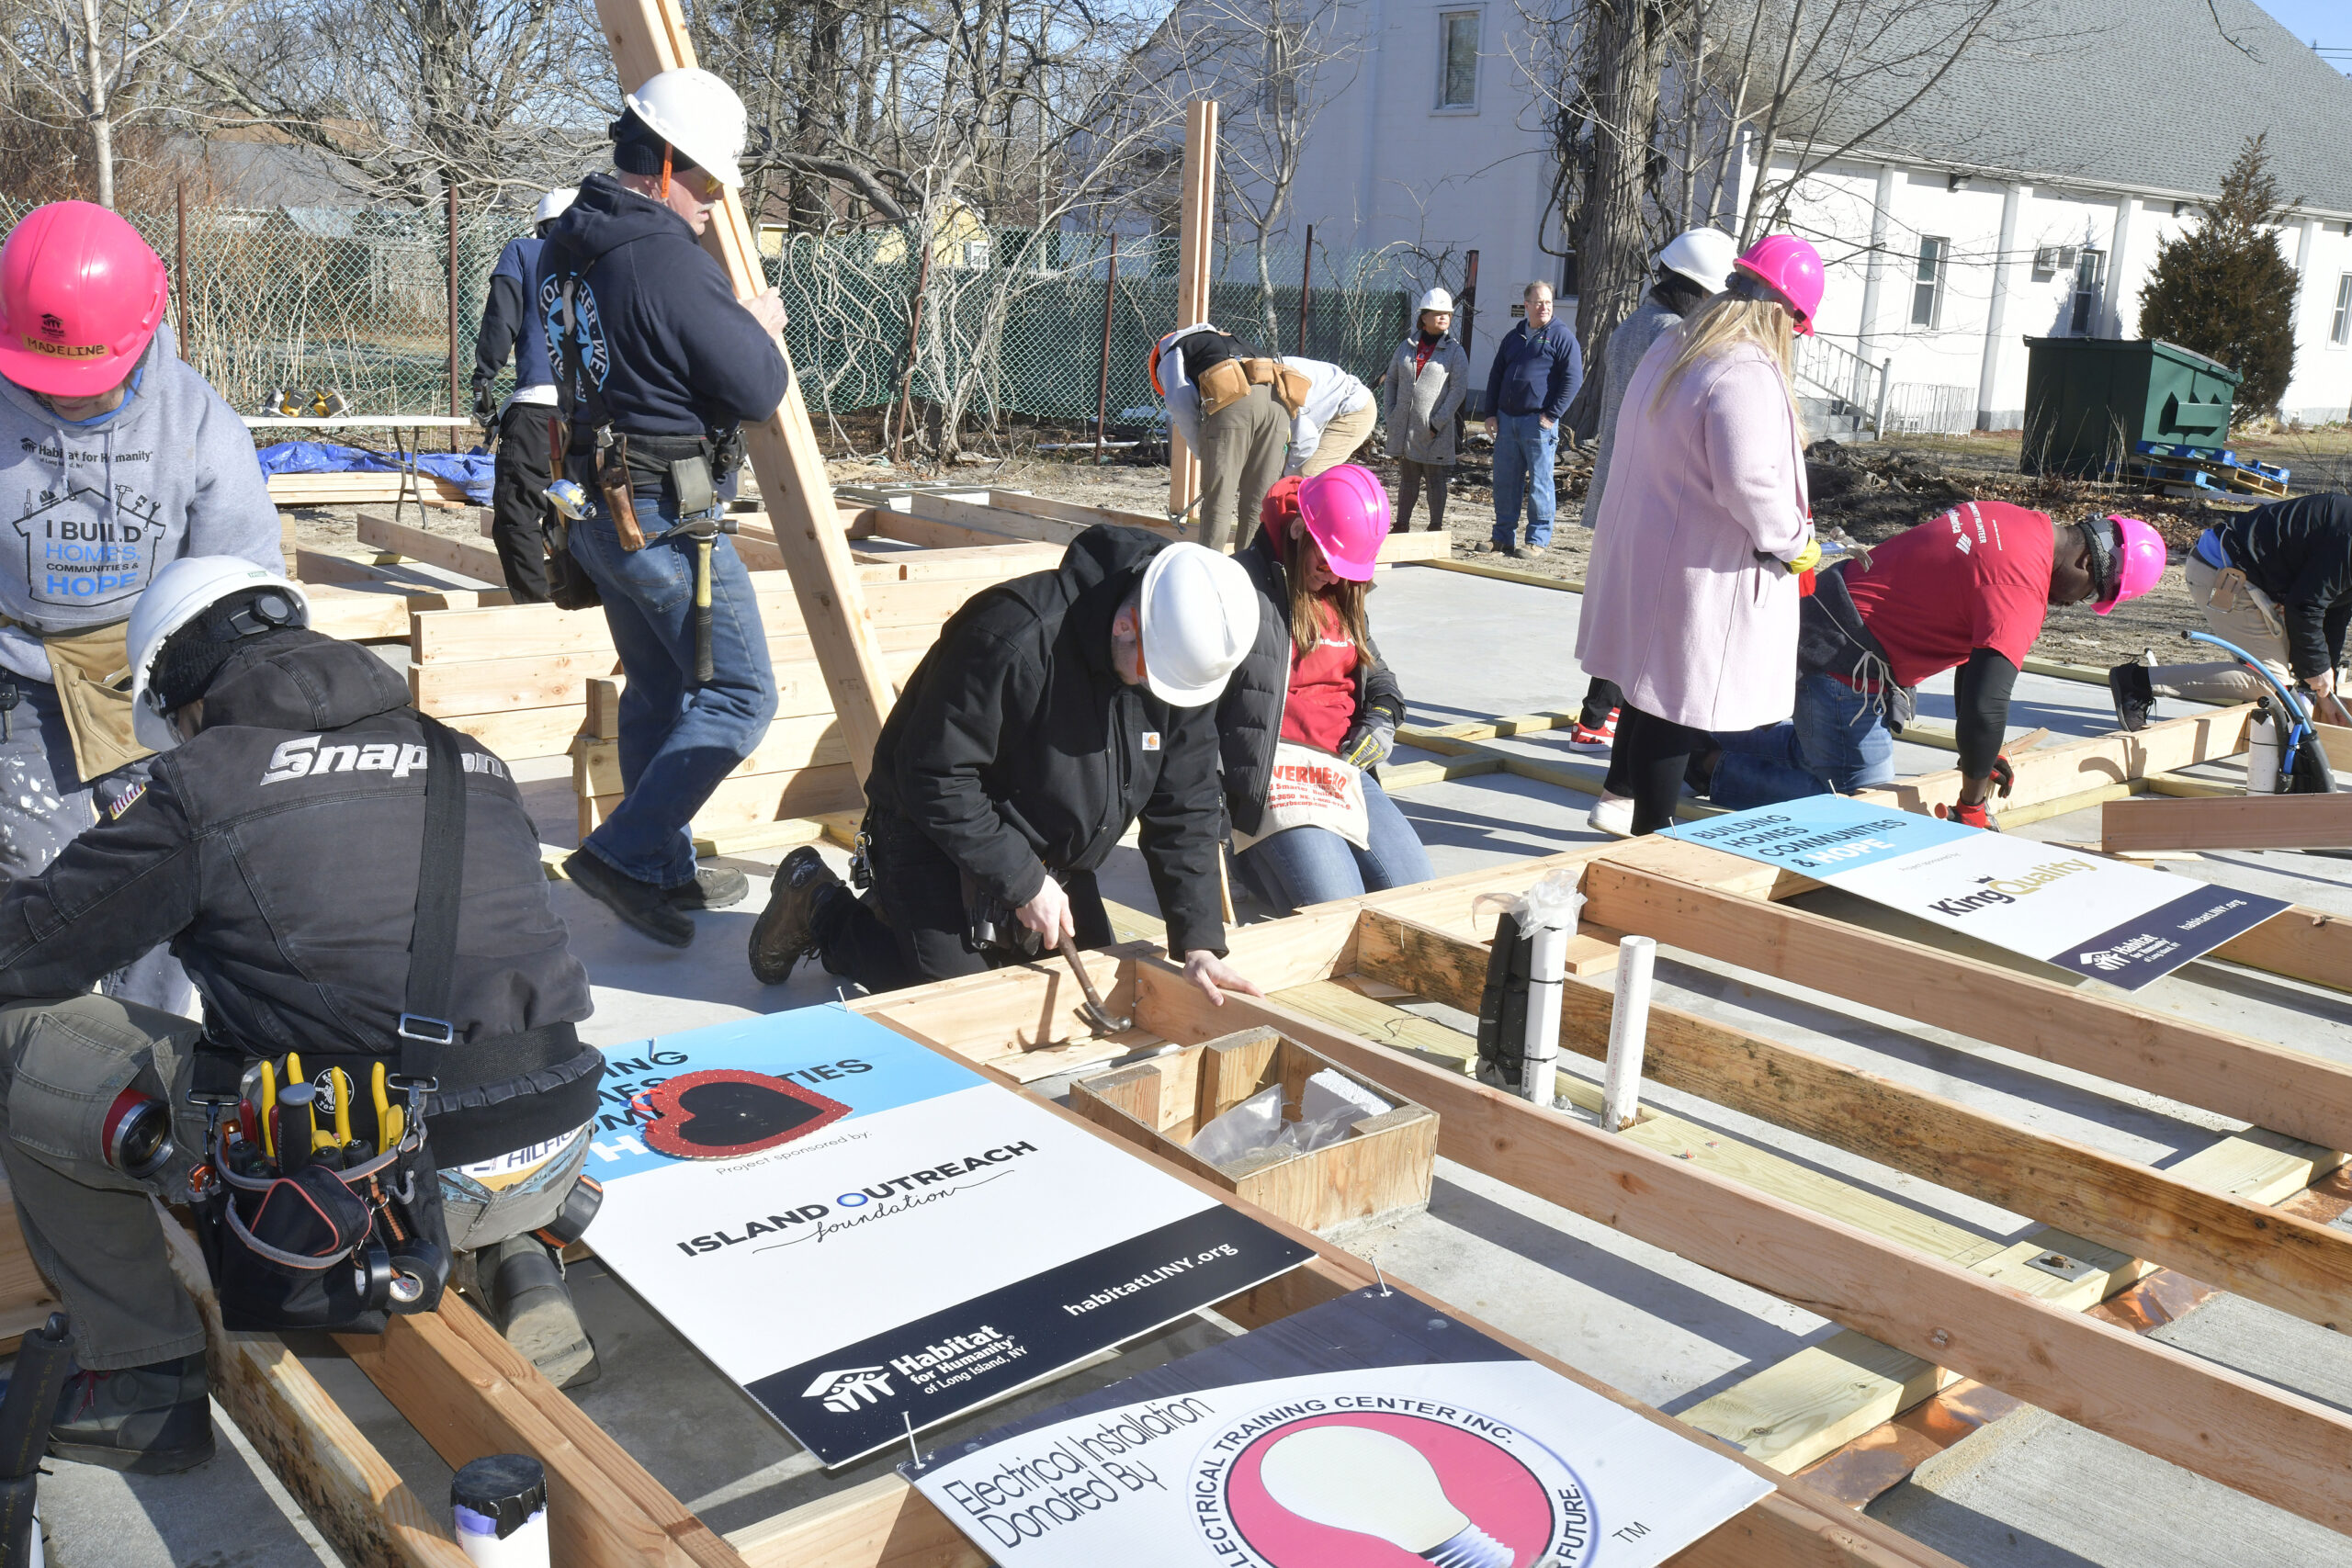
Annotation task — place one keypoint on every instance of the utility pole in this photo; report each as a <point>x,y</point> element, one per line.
<point>1102,377</point>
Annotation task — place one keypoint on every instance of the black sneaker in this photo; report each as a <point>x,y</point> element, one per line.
<point>785,932</point>
<point>153,1420</point>
<point>2135,700</point>
<point>642,907</point>
<point>531,1303</point>
<point>714,887</point>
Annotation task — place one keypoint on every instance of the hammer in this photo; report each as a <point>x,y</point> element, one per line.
<point>1097,1016</point>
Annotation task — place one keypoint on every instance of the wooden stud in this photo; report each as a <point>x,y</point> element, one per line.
<point>435,549</point>
<point>1194,270</point>
<point>2227,822</point>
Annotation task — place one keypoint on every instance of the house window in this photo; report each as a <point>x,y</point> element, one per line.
<point>2340,332</point>
<point>1928,285</point>
<point>1457,82</point>
<point>2090,282</point>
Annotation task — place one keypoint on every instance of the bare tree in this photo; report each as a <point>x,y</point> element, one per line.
<point>102,64</point>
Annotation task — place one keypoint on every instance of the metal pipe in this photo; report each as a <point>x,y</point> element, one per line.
<point>1547,971</point>
<point>179,260</point>
<point>1102,373</point>
<point>457,395</point>
<point>1306,289</point>
<point>1629,1028</point>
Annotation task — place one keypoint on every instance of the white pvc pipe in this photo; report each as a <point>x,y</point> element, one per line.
<point>1547,969</point>
<point>1629,1028</point>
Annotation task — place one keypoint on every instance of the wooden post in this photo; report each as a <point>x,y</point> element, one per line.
<point>457,403</point>
<point>1193,277</point>
<point>649,36</point>
<point>1305,290</point>
<point>1102,377</point>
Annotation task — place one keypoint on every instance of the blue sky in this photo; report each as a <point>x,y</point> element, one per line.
<point>2329,21</point>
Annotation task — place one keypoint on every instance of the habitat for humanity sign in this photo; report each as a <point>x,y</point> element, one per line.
<point>1366,1432</point>
<point>2120,923</point>
<point>869,1237</point>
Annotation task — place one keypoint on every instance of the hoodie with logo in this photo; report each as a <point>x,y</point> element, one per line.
<point>90,513</point>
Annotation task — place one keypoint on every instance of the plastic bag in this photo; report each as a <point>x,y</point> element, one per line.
<point>1328,1107</point>
<point>1255,1124</point>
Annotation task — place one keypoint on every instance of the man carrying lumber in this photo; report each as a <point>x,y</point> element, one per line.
<point>511,324</point>
<point>1968,590</point>
<point>119,459</point>
<point>656,366</point>
<point>278,846</point>
<point>1055,711</point>
<point>2276,580</point>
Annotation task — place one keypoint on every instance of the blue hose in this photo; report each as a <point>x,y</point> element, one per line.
<point>2300,731</point>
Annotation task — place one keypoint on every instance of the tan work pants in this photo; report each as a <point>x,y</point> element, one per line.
<point>1241,457</point>
<point>1341,439</point>
<point>2243,615</point>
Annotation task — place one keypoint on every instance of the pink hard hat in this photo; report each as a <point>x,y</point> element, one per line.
<point>80,297</point>
<point>1792,269</point>
<point>1346,510</point>
<point>2140,553</point>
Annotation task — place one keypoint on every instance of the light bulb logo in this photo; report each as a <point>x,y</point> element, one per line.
<point>1373,1483</point>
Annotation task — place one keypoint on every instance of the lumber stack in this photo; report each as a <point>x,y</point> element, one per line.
<point>361,489</point>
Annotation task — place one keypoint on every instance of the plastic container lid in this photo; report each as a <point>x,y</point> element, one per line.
<point>505,1489</point>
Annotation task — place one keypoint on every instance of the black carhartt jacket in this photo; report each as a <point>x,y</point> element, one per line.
<point>1015,747</point>
<point>1249,715</point>
<point>2300,553</point>
<point>276,852</point>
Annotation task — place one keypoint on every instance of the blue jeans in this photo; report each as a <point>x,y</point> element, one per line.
<point>1523,451</point>
<point>1837,741</point>
<point>1308,865</point>
<point>678,739</point>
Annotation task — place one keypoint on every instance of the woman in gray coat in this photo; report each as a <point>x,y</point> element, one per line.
<point>1427,378</point>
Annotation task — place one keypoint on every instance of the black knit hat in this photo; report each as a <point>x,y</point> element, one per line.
<point>637,147</point>
<point>191,656</point>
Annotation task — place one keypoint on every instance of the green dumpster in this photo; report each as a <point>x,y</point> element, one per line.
<point>2090,402</point>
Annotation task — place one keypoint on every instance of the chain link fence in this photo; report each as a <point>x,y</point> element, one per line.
<point>998,330</point>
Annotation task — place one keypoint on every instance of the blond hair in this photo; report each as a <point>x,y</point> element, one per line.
<point>1727,318</point>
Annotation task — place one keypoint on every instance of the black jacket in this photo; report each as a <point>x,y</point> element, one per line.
<point>1250,715</point>
<point>276,852</point>
<point>2300,553</point>
<point>1016,747</point>
<point>674,352</point>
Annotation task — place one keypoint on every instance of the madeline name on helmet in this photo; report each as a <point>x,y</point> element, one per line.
<point>305,758</point>
<point>66,350</point>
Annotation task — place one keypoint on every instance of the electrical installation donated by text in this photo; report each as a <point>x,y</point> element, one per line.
<point>1144,1282</point>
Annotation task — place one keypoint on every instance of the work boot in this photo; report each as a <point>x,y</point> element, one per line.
<point>643,907</point>
<point>2136,699</point>
<point>153,1420</point>
<point>1527,552</point>
<point>531,1305</point>
<point>714,887</point>
<point>787,929</point>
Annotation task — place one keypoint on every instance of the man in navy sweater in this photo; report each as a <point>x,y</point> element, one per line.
<point>510,324</point>
<point>1536,375</point>
<point>658,365</point>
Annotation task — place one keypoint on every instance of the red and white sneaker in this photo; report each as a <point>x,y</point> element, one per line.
<point>1585,738</point>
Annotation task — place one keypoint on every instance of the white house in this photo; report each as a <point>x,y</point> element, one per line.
<point>2024,196</point>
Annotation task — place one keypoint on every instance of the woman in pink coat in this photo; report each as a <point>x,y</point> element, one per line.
<point>1691,602</point>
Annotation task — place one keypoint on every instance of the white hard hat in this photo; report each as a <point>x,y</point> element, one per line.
<point>1702,255</point>
<point>551,205</point>
<point>1435,299</point>
<point>697,114</point>
<point>1200,620</point>
<point>182,591</point>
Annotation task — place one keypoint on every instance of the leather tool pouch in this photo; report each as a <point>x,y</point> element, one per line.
<point>614,485</point>
<point>1221,384</point>
<point>569,585</point>
<point>690,479</point>
<point>1291,388</point>
<point>92,670</point>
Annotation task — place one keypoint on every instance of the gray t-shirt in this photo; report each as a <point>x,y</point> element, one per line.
<point>1649,322</point>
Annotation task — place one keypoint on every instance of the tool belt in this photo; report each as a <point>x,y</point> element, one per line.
<point>1229,381</point>
<point>92,672</point>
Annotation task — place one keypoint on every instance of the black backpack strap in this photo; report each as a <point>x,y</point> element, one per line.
<point>424,1027</point>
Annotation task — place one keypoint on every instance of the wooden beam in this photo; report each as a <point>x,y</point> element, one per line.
<point>448,553</point>
<point>1195,268</point>
<point>2271,1444</point>
<point>649,36</point>
<point>2055,772</point>
<point>2276,1258</point>
<point>2227,822</point>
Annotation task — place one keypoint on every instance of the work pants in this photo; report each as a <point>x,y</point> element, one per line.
<point>1414,479</point>
<point>678,739</point>
<point>1648,762</point>
<point>518,500</point>
<point>1524,452</point>
<point>1838,742</point>
<point>44,806</point>
<point>1299,866</point>
<point>1340,438</point>
<point>1242,446</point>
<point>1602,698</point>
<point>2243,615</point>
<point>912,926</point>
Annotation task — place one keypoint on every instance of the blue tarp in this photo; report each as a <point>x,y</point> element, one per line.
<point>474,469</point>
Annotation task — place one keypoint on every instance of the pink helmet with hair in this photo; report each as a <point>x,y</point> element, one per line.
<point>1792,269</point>
<point>2140,561</point>
<point>1346,510</point>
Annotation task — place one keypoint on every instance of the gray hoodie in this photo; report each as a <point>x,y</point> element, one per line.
<point>92,511</point>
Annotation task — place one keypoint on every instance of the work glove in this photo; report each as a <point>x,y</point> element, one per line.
<point>485,406</point>
<point>1369,743</point>
<point>1977,815</point>
<point>1803,563</point>
<point>2004,776</point>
